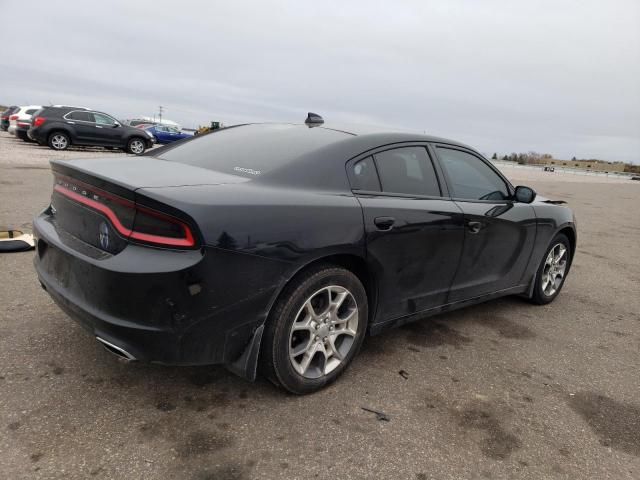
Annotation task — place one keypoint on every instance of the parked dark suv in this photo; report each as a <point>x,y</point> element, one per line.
<point>61,127</point>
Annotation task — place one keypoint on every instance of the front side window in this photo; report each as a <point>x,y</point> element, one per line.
<point>102,119</point>
<point>407,170</point>
<point>470,177</point>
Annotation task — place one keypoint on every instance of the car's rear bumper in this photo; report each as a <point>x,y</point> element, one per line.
<point>37,134</point>
<point>22,131</point>
<point>164,306</point>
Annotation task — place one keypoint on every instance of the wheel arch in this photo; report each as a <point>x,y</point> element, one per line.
<point>569,230</point>
<point>136,135</point>
<point>246,365</point>
<point>349,261</point>
<point>570,233</point>
<point>64,130</point>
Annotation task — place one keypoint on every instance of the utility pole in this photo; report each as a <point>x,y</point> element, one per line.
<point>160,114</point>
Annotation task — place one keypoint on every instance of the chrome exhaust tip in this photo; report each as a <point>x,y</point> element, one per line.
<point>115,350</point>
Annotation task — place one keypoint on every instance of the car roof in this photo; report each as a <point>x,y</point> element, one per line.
<point>60,110</point>
<point>379,131</point>
<point>63,110</point>
<point>372,132</point>
<point>280,151</point>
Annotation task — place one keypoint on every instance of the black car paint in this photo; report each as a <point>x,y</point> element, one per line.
<point>255,234</point>
<point>83,133</point>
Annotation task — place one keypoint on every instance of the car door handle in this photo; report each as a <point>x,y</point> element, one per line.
<point>384,223</point>
<point>98,126</point>
<point>71,123</point>
<point>474,227</point>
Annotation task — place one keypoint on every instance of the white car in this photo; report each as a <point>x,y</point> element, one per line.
<point>20,120</point>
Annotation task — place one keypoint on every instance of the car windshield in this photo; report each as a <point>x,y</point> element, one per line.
<point>252,150</point>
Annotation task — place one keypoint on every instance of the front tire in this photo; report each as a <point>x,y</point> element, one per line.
<point>59,141</point>
<point>552,271</point>
<point>136,146</point>
<point>315,329</point>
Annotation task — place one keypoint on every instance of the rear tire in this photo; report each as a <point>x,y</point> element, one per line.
<point>315,329</point>
<point>136,146</point>
<point>59,141</point>
<point>553,270</point>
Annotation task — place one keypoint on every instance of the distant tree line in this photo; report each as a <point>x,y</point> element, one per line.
<point>525,158</point>
<point>537,158</point>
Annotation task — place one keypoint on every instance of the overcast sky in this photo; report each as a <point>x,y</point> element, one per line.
<point>561,77</point>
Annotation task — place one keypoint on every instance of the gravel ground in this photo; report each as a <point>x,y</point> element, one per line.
<point>502,390</point>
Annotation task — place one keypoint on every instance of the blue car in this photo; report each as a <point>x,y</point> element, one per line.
<point>166,134</point>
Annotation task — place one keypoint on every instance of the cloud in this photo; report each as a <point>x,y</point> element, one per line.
<point>558,77</point>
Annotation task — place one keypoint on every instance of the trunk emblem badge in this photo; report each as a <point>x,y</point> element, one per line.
<point>103,236</point>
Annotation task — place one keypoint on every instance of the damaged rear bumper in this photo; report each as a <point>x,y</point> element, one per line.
<point>162,306</point>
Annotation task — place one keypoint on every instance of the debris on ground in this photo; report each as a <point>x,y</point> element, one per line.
<point>15,241</point>
<point>380,416</point>
<point>404,374</point>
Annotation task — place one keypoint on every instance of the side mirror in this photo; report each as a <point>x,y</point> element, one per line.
<point>525,194</point>
<point>115,125</point>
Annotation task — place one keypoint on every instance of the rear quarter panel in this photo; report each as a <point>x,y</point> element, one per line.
<point>258,237</point>
<point>290,225</point>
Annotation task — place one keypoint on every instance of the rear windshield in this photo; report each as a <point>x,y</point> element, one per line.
<point>252,150</point>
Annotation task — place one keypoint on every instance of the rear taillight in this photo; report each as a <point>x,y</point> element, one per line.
<point>13,117</point>
<point>133,222</point>
<point>38,121</point>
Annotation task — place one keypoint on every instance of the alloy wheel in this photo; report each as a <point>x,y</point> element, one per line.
<point>555,267</point>
<point>136,146</point>
<point>59,142</point>
<point>323,331</point>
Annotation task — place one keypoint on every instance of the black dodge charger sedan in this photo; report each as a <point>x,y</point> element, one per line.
<point>282,245</point>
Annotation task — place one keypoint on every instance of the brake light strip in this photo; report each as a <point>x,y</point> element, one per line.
<point>188,241</point>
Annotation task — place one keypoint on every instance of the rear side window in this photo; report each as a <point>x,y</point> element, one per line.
<point>80,116</point>
<point>365,176</point>
<point>470,177</point>
<point>31,111</point>
<point>407,170</point>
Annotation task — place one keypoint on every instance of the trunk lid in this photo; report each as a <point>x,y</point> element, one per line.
<point>97,201</point>
<point>133,172</point>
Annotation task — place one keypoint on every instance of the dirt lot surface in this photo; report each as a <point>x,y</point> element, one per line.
<point>501,390</point>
